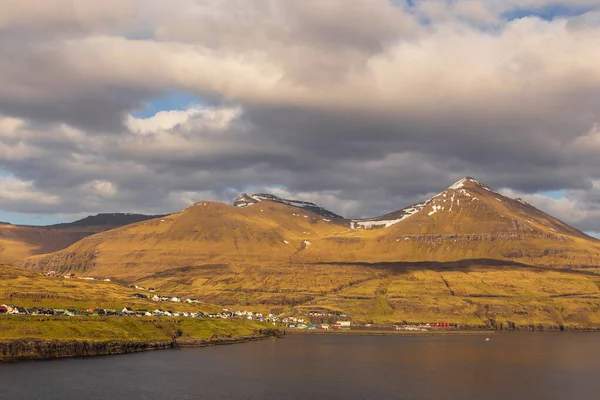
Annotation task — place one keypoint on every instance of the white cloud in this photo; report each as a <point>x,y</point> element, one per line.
<point>9,126</point>
<point>217,118</point>
<point>574,208</point>
<point>102,188</point>
<point>15,193</point>
<point>65,14</point>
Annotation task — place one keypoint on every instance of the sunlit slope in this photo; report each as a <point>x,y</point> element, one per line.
<point>30,289</point>
<point>471,293</point>
<point>466,221</point>
<point>477,293</point>
<point>12,247</point>
<point>18,242</point>
<point>205,233</point>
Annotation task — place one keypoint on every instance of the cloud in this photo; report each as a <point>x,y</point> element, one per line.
<point>363,106</point>
<point>578,207</point>
<point>215,118</point>
<point>21,196</point>
<point>53,16</point>
<point>102,188</point>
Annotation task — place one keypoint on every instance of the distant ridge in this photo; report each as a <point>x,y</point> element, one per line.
<point>112,219</point>
<point>20,241</point>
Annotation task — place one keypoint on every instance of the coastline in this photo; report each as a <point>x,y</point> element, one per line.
<point>18,349</point>
<point>375,332</point>
<point>447,332</point>
<point>14,350</point>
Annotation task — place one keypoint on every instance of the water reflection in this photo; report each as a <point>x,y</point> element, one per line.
<point>509,366</point>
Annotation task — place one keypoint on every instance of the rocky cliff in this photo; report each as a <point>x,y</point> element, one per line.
<point>39,349</point>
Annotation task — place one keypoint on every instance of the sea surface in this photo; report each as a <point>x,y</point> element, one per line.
<point>523,365</point>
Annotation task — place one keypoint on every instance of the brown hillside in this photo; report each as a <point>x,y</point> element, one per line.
<point>466,221</point>
<point>205,233</point>
<point>18,242</point>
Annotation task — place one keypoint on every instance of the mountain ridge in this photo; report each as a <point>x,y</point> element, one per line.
<point>467,220</point>
<point>20,241</point>
<point>245,200</point>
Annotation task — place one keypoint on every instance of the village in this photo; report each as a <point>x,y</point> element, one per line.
<point>317,319</point>
<point>226,313</point>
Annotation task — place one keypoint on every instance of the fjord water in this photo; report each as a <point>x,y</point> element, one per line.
<point>522,365</point>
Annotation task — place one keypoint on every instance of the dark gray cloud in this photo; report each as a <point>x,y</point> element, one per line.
<point>355,105</point>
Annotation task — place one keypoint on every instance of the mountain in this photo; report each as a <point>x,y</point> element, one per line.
<point>466,221</point>
<point>468,253</point>
<point>246,200</point>
<point>204,233</point>
<point>20,241</point>
<point>111,220</point>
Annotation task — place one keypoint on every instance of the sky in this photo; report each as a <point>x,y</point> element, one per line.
<point>362,106</point>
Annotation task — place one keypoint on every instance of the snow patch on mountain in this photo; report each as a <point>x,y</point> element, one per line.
<point>246,200</point>
<point>435,209</point>
<point>445,201</point>
<point>386,223</point>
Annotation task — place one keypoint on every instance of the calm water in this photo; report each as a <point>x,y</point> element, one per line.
<point>510,366</point>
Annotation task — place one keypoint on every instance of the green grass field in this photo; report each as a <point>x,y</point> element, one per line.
<point>122,328</point>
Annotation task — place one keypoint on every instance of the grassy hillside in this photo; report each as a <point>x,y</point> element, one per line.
<point>31,289</point>
<point>121,328</point>
<point>13,247</point>
<point>476,292</point>
<point>472,294</point>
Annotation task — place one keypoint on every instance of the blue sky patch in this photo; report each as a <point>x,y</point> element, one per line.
<point>169,101</point>
<point>554,194</point>
<point>547,13</point>
<point>29,219</point>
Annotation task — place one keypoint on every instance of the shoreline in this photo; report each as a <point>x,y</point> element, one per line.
<point>24,349</point>
<point>392,333</point>
<point>445,332</point>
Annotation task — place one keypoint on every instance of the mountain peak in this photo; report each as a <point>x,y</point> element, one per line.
<point>467,181</point>
<point>246,200</point>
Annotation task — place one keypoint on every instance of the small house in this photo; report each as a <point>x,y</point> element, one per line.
<point>127,311</point>
<point>19,310</point>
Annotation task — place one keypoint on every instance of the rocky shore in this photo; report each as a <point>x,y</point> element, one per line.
<point>39,349</point>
